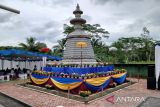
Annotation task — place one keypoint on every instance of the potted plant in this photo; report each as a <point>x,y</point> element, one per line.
<point>84,93</point>
<point>77,76</point>
<point>113,84</point>
<point>48,86</point>
<point>53,74</point>
<point>61,74</point>
<point>123,70</point>
<point>65,76</point>
<point>74,76</point>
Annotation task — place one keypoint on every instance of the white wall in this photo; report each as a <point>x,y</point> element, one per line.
<point>157,61</point>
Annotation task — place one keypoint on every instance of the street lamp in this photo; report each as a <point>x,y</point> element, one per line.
<point>9,9</point>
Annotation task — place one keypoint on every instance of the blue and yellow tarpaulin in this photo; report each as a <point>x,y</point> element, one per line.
<point>66,83</point>
<point>97,84</point>
<point>94,84</point>
<point>119,78</point>
<point>39,79</point>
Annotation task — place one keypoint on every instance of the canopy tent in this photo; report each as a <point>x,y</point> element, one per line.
<point>157,61</point>
<point>14,55</point>
<point>22,55</point>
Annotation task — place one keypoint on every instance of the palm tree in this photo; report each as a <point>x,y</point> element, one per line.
<point>58,49</point>
<point>32,45</point>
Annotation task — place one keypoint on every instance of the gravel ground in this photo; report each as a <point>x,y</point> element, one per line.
<point>37,99</point>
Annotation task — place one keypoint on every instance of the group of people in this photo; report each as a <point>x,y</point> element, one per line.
<point>14,73</point>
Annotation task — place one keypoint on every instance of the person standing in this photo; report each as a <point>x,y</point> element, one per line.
<point>35,68</point>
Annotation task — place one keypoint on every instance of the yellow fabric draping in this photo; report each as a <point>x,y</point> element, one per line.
<point>97,81</point>
<point>66,86</point>
<point>39,81</point>
<point>118,75</point>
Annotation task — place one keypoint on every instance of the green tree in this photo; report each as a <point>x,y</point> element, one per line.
<point>135,49</point>
<point>95,30</point>
<point>148,44</point>
<point>32,45</point>
<point>8,47</point>
<point>125,48</point>
<point>100,50</point>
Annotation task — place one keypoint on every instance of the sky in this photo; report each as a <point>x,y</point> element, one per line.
<point>44,19</point>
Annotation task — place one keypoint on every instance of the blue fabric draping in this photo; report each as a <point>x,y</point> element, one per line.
<point>54,69</point>
<point>66,83</point>
<point>70,70</point>
<point>39,79</point>
<point>66,80</point>
<point>23,53</point>
<point>121,79</point>
<point>105,68</point>
<point>97,88</point>
<point>39,76</point>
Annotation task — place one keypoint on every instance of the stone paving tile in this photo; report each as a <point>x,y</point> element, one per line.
<point>38,99</point>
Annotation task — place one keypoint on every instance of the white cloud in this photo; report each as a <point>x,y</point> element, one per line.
<point>44,19</point>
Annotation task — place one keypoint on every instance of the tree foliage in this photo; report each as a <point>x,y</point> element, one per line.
<point>58,49</point>
<point>32,45</point>
<point>136,49</point>
<point>128,49</point>
<point>96,32</point>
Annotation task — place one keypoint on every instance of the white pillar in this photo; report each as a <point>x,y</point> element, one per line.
<point>1,64</point>
<point>157,62</point>
<point>11,64</point>
<point>44,61</point>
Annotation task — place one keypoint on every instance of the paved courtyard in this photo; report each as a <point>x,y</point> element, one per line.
<point>127,97</point>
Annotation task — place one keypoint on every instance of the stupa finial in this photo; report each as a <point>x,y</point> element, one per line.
<point>78,10</point>
<point>77,7</point>
<point>78,18</point>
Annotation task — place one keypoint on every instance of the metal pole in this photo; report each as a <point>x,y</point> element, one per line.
<point>11,64</point>
<point>102,91</point>
<point>2,64</point>
<point>81,55</point>
<point>25,62</point>
<point>9,9</point>
<point>68,95</point>
<point>68,91</point>
<point>130,76</point>
<point>138,72</point>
